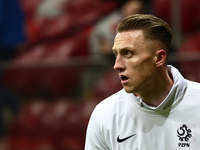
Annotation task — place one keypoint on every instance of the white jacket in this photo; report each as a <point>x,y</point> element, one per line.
<point>124,122</point>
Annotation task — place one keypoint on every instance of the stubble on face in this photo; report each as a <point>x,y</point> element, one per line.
<point>140,67</point>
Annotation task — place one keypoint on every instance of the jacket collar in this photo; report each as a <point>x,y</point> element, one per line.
<point>175,95</point>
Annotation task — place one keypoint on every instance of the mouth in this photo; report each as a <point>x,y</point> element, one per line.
<point>124,79</point>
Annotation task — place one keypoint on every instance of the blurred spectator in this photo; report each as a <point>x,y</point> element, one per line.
<point>50,9</point>
<point>147,4</point>
<point>101,42</point>
<point>11,36</point>
<point>102,36</point>
<point>11,28</point>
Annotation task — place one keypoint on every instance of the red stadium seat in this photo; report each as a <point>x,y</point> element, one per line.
<point>191,49</point>
<point>107,85</point>
<point>53,125</point>
<point>57,39</point>
<point>76,14</point>
<point>190,15</point>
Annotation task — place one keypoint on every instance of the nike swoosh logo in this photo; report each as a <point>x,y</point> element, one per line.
<point>124,139</point>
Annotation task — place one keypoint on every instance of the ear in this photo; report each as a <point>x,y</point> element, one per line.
<point>161,57</point>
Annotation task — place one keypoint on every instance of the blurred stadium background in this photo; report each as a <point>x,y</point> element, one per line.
<point>51,84</point>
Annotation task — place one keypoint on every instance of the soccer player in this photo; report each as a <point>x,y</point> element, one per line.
<point>157,109</point>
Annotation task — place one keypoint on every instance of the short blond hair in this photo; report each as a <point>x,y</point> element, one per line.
<point>153,28</point>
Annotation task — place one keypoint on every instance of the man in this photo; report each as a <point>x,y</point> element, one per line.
<point>157,109</point>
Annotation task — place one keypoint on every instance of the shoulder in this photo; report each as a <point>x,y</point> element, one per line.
<point>112,100</point>
<point>114,104</point>
<point>103,115</point>
<point>191,99</point>
<point>193,87</point>
<point>193,92</point>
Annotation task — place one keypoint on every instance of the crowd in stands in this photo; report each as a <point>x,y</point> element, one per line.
<point>60,65</point>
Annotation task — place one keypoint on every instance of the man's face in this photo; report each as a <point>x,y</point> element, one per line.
<point>135,61</point>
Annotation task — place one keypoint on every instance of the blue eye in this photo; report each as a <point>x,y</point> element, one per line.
<point>128,53</point>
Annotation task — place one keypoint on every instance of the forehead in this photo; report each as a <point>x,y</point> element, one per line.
<point>128,39</point>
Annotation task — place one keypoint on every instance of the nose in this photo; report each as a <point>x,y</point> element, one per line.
<point>119,64</point>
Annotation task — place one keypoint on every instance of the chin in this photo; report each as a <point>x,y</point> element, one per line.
<point>128,90</point>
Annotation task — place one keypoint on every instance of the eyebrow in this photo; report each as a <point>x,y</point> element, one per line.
<point>124,49</point>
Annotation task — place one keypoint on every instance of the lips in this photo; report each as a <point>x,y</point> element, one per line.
<point>124,79</point>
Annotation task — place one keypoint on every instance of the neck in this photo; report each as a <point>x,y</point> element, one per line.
<point>161,87</point>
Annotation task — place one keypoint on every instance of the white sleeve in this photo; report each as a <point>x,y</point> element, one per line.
<point>94,137</point>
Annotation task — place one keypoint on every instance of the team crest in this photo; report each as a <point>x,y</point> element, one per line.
<point>184,134</point>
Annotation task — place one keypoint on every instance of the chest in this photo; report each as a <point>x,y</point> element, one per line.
<point>179,130</point>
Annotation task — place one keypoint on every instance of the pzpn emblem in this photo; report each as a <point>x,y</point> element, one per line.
<point>184,134</point>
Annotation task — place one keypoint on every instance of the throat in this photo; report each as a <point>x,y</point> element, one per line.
<point>155,97</point>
